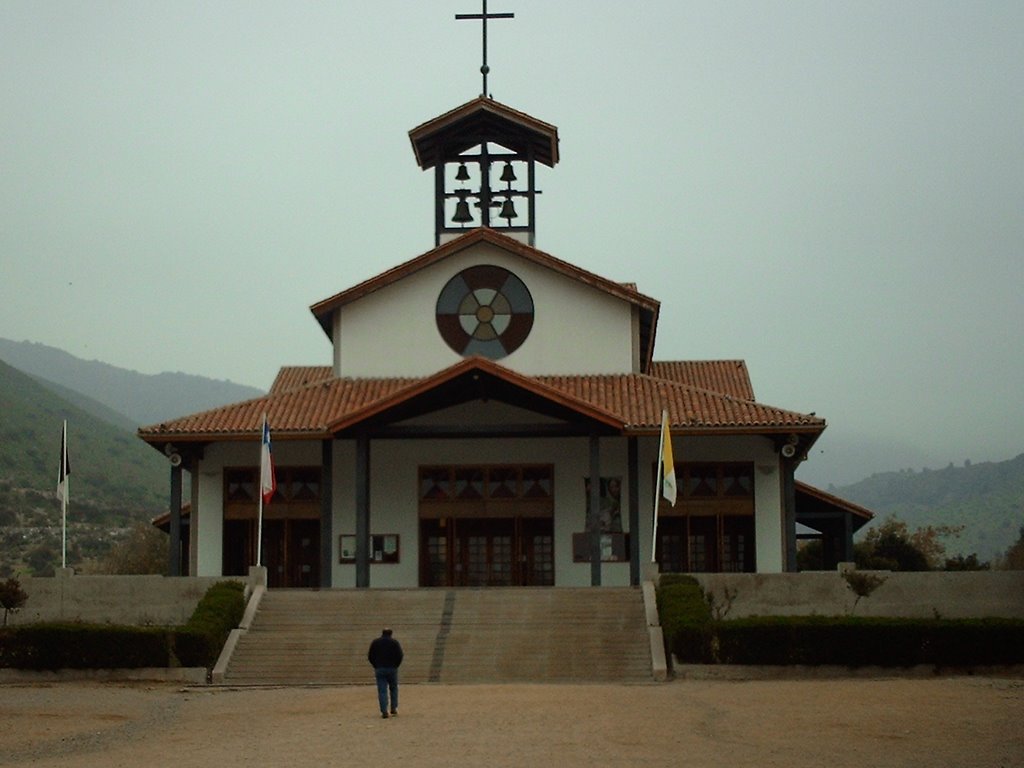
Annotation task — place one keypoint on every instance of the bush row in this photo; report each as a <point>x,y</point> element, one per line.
<point>73,645</point>
<point>693,637</point>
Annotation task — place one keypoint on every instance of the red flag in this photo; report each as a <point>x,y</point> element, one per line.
<point>268,482</point>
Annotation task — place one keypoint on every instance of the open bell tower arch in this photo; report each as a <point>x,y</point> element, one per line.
<point>484,155</point>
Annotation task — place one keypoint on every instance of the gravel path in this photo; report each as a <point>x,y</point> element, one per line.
<point>788,723</point>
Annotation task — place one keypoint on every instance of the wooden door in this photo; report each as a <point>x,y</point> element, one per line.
<point>303,553</point>
<point>484,553</point>
<point>536,547</point>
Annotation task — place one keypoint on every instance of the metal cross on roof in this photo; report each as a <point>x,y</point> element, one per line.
<point>483,17</point>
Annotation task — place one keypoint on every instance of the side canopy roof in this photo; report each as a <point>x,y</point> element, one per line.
<point>482,120</point>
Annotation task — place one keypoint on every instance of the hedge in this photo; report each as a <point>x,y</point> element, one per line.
<point>693,637</point>
<point>65,645</point>
<point>857,642</point>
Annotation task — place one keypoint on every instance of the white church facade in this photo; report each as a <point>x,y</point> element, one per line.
<point>473,392</point>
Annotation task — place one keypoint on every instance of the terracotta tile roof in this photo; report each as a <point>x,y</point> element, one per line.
<point>638,400</point>
<point>630,402</point>
<point>296,376</point>
<point>730,377</point>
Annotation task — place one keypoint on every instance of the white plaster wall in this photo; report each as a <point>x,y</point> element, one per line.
<point>394,497</point>
<point>392,332</point>
<point>394,494</point>
<point>768,531</point>
<point>217,456</point>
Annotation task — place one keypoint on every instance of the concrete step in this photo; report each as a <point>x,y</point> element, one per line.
<point>449,635</point>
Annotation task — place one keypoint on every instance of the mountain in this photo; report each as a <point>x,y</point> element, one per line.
<point>141,398</point>
<point>109,464</point>
<point>987,499</point>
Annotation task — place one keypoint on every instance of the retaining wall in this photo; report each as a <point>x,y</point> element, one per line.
<point>930,594</point>
<point>131,600</point>
<point>169,601</point>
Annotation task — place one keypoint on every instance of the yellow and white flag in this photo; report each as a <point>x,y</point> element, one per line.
<point>668,465</point>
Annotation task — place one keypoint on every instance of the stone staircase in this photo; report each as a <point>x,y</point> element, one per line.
<point>492,635</point>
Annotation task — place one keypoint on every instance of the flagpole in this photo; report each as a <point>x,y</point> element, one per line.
<point>657,486</point>
<point>64,496</point>
<point>259,492</point>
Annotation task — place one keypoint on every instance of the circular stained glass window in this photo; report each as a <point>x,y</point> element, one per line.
<point>484,310</point>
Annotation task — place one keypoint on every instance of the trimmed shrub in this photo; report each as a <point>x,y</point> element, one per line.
<point>199,642</point>
<point>685,619</point>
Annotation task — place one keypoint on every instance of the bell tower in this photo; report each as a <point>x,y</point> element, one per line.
<point>484,155</point>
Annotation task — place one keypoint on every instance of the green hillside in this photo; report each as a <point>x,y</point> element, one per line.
<point>109,465</point>
<point>987,499</point>
<point>116,480</point>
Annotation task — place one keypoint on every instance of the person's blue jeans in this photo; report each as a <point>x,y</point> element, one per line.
<point>387,681</point>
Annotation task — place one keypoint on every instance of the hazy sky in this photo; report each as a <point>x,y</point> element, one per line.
<point>832,191</point>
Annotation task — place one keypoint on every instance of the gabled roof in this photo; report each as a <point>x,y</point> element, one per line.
<point>625,403</point>
<point>297,376</point>
<point>478,378</point>
<point>483,119</point>
<point>730,377</point>
<point>648,307</point>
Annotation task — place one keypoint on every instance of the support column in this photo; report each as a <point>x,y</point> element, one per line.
<point>594,518</point>
<point>362,511</point>
<point>174,555</point>
<point>326,512</point>
<point>847,537</point>
<point>789,515</point>
<point>194,517</point>
<point>633,478</point>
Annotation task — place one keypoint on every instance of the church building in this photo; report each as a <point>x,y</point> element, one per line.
<point>492,416</point>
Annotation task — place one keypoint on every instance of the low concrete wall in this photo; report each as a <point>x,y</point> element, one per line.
<point>948,595</point>
<point>131,600</point>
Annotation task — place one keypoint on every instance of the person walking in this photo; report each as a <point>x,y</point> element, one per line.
<point>385,655</point>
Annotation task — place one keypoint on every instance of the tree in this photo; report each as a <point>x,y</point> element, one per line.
<point>12,597</point>
<point>1013,560</point>
<point>809,555</point>
<point>969,563</point>
<point>143,550</point>
<point>891,546</point>
<point>862,585</point>
<point>42,560</point>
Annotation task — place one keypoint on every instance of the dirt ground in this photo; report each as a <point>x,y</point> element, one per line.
<point>976,721</point>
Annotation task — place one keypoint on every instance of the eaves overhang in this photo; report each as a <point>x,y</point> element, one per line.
<point>476,379</point>
<point>483,119</point>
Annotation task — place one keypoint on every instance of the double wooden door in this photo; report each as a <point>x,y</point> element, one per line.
<point>291,550</point>
<point>488,552</point>
<point>706,544</point>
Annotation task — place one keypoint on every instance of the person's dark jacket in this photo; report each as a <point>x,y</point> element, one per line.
<point>385,652</point>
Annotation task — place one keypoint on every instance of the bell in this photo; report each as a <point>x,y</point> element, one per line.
<point>509,174</point>
<point>462,214</point>
<point>463,174</point>
<point>508,210</point>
